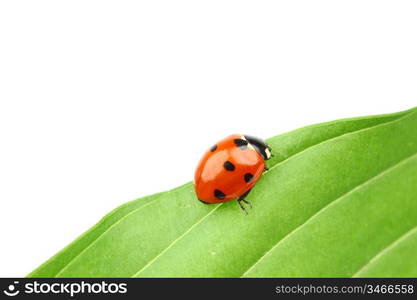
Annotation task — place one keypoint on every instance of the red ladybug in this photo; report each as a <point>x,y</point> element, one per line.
<point>230,169</point>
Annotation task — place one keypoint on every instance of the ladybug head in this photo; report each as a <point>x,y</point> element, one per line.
<point>260,146</point>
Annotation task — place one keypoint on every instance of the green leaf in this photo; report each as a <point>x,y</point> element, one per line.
<point>340,199</point>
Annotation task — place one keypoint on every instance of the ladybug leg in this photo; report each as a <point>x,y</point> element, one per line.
<point>266,168</point>
<point>246,202</point>
<point>242,199</point>
<point>242,208</point>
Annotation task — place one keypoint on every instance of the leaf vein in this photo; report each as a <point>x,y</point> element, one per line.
<point>113,225</point>
<point>175,241</point>
<point>402,238</point>
<point>330,204</point>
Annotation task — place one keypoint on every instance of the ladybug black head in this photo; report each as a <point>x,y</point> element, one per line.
<point>260,146</point>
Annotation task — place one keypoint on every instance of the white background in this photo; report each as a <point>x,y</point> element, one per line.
<point>106,101</point>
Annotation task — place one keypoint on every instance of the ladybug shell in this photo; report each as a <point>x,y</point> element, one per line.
<point>228,170</point>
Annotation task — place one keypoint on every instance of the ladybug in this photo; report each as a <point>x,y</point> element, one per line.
<point>230,169</point>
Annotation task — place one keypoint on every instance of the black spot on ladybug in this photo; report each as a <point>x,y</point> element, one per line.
<point>213,148</point>
<point>248,177</point>
<point>229,166</point>
<point>242,144</point>
<point>219,194</point>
